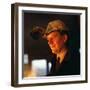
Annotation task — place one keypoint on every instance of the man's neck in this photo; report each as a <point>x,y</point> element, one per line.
<point>62,54</point>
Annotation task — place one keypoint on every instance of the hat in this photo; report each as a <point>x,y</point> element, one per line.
<point>55,26</point>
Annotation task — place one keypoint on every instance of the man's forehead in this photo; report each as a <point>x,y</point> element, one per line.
<point>53,34</point>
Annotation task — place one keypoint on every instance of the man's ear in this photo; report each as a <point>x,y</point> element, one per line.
<point>65,38</point>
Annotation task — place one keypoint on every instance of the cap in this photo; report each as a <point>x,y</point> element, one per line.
<point>55,26</point>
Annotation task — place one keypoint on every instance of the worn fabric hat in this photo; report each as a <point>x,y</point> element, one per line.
<point>54,26</point>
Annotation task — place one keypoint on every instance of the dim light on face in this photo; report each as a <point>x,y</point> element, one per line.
<point>56,41</point>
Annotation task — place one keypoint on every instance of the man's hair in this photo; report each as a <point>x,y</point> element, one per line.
<point>68,35</point>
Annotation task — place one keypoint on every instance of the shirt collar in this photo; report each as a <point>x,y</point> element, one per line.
<point>61,55</point>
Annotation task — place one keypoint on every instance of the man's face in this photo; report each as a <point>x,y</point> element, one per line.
<point>56,41</point>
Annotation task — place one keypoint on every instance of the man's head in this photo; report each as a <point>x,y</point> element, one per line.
<point>56,34</point>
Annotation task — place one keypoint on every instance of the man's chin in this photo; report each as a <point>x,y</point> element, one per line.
<point>54,52</point>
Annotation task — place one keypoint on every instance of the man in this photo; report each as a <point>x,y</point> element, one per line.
<point>66,61</point>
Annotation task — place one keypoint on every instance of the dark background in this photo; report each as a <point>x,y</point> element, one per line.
<point>38,49</point>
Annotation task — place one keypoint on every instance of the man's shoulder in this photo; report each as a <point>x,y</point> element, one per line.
<point>71,64</point>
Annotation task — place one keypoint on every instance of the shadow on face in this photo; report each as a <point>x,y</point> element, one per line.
<point>56,41</point>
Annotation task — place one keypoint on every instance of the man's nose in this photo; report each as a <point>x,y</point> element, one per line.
<point>50,42</point>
